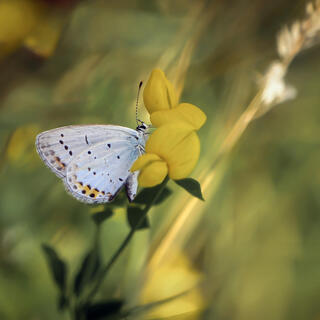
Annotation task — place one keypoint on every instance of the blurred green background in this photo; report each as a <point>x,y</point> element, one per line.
<point>255,241</point>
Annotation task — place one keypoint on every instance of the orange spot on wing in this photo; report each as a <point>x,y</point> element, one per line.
<point>60,164</point>
<point>91,192</point>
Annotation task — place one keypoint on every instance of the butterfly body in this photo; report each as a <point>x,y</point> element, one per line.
<point>93,161</point>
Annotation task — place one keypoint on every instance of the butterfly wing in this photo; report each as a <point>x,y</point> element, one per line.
<point>98,173</point>
<point>93,160</point>
<point>57,147</point>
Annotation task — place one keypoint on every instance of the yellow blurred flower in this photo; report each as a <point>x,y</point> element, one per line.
<point>20,151</point>
<point>173,148</point>
<point>178,280</point>
<point>32,23</point>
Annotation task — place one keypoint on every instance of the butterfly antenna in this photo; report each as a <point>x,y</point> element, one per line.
<point>137,102</point>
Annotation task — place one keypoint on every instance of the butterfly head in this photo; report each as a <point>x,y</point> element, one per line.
<point>142,127</point>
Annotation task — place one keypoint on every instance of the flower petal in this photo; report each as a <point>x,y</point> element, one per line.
<point>44,38</point>
<point>177,144</point>
<point>184,112</point>
<point>174,277</point>
<point>159,93</point>
<point>153,170</point>
<point>17,19</point>
<point>153,174</point>
<point>143,161</point>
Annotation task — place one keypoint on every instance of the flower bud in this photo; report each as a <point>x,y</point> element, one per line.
<point>159,93</point>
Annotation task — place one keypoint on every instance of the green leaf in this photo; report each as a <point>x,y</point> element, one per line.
<point>63,302</point>
<point>88,270</point>
<point>103,309</point>
<point>192,186</point>
<point>134,216</point>
<point>57,267</point>
<point>99,217</point>
<point>147,195</point>
<point>120,200</point>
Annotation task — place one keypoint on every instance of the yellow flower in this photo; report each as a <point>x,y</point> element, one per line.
<point>20,151</point>
<point>173,148</point>
<point>161,101</point>
<point>159,93</point>
<point>30,23</point>
<point>153,169</point>
<point>176,279</point>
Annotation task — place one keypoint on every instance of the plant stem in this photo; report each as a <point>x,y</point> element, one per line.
<point>125,242</point>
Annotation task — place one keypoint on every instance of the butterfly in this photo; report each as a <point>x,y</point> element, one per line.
<point>94,161</point>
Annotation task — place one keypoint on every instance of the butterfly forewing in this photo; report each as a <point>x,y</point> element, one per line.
<point>57,147</point>
<point>93,160</point>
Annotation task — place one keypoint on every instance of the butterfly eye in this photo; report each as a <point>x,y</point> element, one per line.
<point>141,127</point>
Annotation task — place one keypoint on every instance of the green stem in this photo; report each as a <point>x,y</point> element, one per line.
<point>146,307</point>
<point>78,301</point>
<point>125,242</point>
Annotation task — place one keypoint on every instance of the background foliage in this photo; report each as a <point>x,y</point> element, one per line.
<point>255,240</point>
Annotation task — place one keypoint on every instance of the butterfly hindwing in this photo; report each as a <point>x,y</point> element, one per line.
<point>98,173</point>
<point>132,185</point>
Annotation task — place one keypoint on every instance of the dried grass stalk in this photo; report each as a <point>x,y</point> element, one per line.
<point>302,34</point>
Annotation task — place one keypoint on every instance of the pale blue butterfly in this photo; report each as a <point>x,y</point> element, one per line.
<point>94,161</point>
